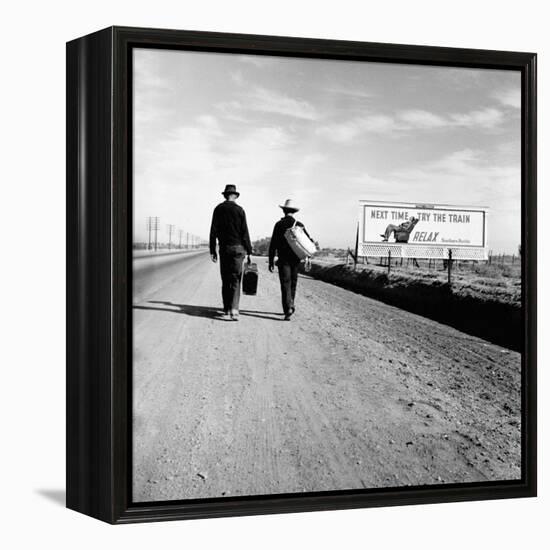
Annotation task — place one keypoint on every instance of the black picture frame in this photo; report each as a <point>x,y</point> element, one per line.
<point>99,273</point>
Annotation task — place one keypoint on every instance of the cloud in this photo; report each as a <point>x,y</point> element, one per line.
<point>204,152</point>
<point>150,92</point>
<point>263,100</point>
<point>180,176</point>
<point>237,77</point>
<point>351,92</point>
<point>147,76</point>
<point>463,176</point>
<point>408,121</point>
<point>460,78</point>
<point>481,178</point>
<point>421,119</point>
<point>274,102</point>
<point>350,129</point>
<point>485,118</point>
<point>184,150</point>
<point>210,125</point>
<point>259,61</point>
<point>510,97</point>
<point>418,119</point>
<point>458,163</point>
<point>306,165</point>
<point>269,125</point>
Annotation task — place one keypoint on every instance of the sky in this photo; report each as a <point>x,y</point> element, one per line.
<point>324,133</point>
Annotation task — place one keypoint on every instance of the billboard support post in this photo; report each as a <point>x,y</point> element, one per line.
<point>449,266</point>
<point>355,257</point>
<point>389,261</point>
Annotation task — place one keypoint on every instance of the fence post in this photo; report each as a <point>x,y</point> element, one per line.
<point>389,261</point>
<point>449,266</point>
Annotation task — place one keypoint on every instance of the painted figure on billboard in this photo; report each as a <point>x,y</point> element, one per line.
<point>401,232</point>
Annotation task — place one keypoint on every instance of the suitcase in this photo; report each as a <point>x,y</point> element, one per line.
<point>250,279</point>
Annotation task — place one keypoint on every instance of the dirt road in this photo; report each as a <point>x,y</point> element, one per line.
<point>351,393</point>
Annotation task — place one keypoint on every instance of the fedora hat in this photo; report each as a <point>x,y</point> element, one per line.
<point>289,205</point>
<point>230,190</point>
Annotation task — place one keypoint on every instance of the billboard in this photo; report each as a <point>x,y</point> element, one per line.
<point>423,225</point>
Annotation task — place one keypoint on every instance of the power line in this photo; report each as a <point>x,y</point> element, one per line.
<point>171,228</point>
<point>152,223</point>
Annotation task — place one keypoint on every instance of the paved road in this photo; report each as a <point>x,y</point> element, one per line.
<point>351,393</point>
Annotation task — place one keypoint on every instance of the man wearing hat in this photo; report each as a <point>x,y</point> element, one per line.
<point>230,229</point>
<point>287,261</point>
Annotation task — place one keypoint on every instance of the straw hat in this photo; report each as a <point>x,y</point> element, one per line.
<point>289,205</point>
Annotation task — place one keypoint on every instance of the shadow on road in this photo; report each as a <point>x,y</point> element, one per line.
<point>206,311</point>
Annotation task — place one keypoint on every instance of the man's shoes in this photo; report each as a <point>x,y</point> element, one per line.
<point>226,316</point>
<point>234,315</point>
<point>289,313</point>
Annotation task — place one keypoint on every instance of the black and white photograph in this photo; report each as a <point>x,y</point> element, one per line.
<point>327,275</point>
<point>274,275</point>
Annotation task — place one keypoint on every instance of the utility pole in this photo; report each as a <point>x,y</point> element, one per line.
<point>180,234</point>
<point>171,228</point>
<point>152,223</point>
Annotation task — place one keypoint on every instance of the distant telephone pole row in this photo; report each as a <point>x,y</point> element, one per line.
<point>152,224</point>
<point>185,240</point>
<point>171,228</point>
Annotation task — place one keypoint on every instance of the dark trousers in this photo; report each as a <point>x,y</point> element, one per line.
<point>231,269</point>
<point>389,230</point>
<point>288,276</point>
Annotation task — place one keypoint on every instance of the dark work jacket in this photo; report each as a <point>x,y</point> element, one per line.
<point>279,245</point>
<point>229,227</point>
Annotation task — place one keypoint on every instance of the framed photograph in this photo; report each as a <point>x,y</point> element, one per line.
<point>301,274</point>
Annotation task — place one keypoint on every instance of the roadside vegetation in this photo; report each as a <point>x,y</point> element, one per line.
<point>483,299</point>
